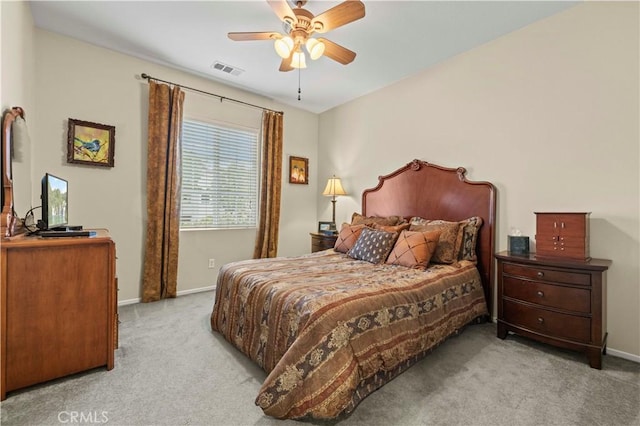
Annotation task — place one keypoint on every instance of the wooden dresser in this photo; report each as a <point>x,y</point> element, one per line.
<point>556,301</point>
<point>58,302</point>
<point>321,242</point>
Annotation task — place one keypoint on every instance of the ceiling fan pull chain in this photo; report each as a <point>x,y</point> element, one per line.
<point>299,91</point>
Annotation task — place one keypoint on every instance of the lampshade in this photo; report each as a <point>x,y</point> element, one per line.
<point>298,60</point>
<point>315,48</point>
<point>334,187</point>
<point>283,47</point>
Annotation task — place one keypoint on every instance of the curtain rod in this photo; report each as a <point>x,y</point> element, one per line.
<point>222,98</point>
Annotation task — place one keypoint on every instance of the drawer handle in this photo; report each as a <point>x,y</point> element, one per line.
<point>540,294</point>
<point>540,320</point>
<point>540,274</point>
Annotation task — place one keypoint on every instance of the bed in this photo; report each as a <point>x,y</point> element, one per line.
<point>330,329</point>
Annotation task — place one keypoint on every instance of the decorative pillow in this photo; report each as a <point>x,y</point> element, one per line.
<point>357,219</point>
<point>347,237</point>
<point>391,228</point>
<point>470,229</point>
<point>450,238</point>
<point>373,245</point>
<point>418,221</point>
<point>468,234</point>
<point>414,249</point>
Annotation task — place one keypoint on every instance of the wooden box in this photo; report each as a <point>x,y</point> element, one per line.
<point>562,235</point>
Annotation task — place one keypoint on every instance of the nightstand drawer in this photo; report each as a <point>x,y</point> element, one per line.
<point>555,296</point>
<point>321,242</point>
<point>544,274</point>
<point>571,327</point>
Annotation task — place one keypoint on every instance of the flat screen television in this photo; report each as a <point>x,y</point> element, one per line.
<point>55,213</point>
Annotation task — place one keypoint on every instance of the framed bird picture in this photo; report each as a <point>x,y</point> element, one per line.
<point>90,143</point>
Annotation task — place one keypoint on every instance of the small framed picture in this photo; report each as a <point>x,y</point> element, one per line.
<point>298,170</point>
<point>326,228</point>
<point>90,143</point>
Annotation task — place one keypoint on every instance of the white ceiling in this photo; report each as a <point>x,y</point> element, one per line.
<point>393,41</point>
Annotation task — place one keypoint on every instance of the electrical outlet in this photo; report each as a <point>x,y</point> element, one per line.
<point>212,263</point>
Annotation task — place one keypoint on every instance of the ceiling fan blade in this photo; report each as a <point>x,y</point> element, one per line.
<point>283,10</point>
<point>342,14</point>
<point>285,65</point>
<point>337,52</point>
<point>254,36</point>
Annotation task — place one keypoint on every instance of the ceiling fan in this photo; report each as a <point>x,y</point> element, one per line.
<point>300,24</point>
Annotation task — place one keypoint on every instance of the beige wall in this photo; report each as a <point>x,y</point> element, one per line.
<point>82,81</point>
<point>548,113</point>
<point>16,87</point>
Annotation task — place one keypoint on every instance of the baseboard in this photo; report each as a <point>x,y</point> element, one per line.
<point>196,290</point>
<point>623,355</point>
<point>129,301</point>
<point>180,293</point>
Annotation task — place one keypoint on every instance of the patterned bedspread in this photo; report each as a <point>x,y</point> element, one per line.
<point>330,330</point>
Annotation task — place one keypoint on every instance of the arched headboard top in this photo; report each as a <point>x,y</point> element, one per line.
<point>436,192</point>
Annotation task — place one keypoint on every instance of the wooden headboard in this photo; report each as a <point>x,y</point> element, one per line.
<point>436,192</point>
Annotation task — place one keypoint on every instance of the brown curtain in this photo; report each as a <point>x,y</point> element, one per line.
<point>163,192</point>
<point>270,186</point>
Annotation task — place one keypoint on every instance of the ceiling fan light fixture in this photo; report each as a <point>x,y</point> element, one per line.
<point>298,27</point>
<point>315,48</point>
<point>298,60</point>
<point>284,46</point>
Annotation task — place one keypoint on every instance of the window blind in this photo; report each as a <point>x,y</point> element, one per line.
<point>219,176</point>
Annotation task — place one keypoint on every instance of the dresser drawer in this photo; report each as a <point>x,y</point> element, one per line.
<point>570,327</point>
<point>544,274</point>
<point>555,296</point>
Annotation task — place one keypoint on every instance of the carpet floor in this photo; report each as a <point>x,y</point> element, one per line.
<point>171,369</point>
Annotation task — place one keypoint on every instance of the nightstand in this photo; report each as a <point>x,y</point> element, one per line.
<point>321,242</point>
<point>556,301</point>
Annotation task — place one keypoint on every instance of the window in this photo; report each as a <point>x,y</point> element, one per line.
<point>219,176</point>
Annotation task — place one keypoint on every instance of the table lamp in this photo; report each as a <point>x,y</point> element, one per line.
<point>333,188</point>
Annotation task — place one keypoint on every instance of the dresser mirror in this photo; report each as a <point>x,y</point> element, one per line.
<point>9,218</point>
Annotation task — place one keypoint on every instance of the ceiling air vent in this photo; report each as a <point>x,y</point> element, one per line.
<point>227,69</point>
